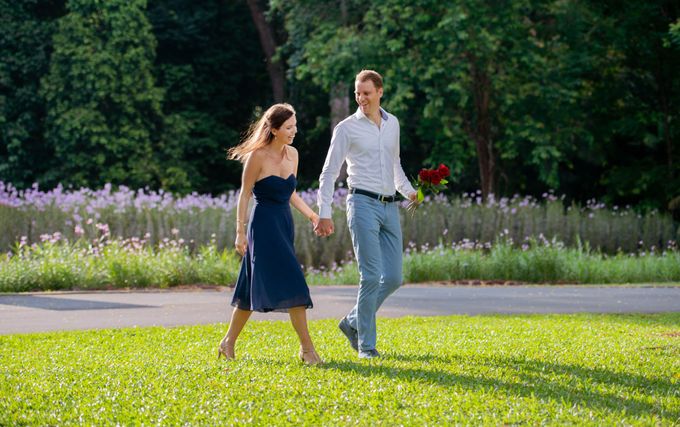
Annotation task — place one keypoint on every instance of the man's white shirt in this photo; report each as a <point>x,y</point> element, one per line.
<point>372,156</point>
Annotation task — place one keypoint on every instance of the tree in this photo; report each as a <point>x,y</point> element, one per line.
<point>327,29</point>
<point>674,32</point>
<point>466,76</point>
<point>635,103</point>
<point>104,117</point>
<point>275,68</point>
<point>209,63</point>
<point>25,46</point>
<point>324,51</point>
<point>497,84</point>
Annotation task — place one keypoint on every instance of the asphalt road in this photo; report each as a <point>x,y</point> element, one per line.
<point>37,312</point>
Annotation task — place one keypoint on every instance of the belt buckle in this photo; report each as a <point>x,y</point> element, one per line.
<point>382,198</point>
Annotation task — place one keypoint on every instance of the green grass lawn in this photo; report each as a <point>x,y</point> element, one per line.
<point>493,370</point>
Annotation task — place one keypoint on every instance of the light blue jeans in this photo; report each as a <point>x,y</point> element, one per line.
<point>377,240</point>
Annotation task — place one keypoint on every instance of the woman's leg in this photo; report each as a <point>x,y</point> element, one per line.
<point>298,317</point>
<point>238,321</point>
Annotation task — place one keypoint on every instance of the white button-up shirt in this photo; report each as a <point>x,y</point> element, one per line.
<point>372,155</point>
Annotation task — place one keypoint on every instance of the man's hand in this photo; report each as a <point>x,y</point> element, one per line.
<point>413,204</point>
<point>324,227</point>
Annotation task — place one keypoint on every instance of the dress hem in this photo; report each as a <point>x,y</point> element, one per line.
<point>269,310</point>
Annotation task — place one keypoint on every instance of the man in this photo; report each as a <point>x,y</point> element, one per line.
<point>368,141</point>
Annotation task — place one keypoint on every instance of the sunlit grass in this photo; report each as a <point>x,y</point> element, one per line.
<point>490,370</point>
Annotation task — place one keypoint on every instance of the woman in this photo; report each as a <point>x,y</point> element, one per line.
<point>270,278</point>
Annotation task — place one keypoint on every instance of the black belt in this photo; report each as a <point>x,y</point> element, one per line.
<point>384,199</point>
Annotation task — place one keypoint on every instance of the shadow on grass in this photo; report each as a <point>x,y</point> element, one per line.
<point>536,378</point>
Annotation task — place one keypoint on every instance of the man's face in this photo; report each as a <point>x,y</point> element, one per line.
<point>367,96</point>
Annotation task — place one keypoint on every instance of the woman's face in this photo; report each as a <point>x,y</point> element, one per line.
<point>287,131</point>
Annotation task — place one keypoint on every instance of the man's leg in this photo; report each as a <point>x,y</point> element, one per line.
<point>363,217</point>
<point>391,246</point>
<point>391,243</point>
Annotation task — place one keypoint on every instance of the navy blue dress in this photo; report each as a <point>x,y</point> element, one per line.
<point>271,278</point>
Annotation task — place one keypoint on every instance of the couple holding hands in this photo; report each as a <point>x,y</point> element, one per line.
<point>271,278</point>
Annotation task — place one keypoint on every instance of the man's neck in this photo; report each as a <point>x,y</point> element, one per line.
<point>375,117</point>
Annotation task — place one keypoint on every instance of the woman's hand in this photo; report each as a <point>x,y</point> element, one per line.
<point>241,243</point>
<point>314,220</point>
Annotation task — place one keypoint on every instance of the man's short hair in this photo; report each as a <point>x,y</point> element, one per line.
<point>371,75</point>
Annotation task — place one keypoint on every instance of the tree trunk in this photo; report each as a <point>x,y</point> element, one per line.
<point>339,98</point>
<point>667,136</point>
<point>480,128</point>
<point>339,103</point>
<point>275,69</point>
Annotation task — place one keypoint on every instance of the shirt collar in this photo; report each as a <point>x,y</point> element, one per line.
<point>360,114</point>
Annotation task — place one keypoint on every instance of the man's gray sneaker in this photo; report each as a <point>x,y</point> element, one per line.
<point>368,354</point>
<point>350,333</point>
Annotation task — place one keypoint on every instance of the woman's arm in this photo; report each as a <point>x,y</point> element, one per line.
<point>304,209</point>
<point>295,198</point>
<point>251,170</point>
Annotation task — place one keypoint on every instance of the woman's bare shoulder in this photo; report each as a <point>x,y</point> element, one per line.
<point>258,155</point>
<point>293,151</point>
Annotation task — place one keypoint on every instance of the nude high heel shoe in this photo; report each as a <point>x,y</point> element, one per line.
<point>309,357</point>
<point>226,350</point>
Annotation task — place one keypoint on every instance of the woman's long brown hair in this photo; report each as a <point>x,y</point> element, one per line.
<point>260,132</point>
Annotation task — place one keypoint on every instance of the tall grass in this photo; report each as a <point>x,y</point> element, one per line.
<point>110,263</point>
<point>200,219</point>
<point>535,261</point>
<point>101,264</point>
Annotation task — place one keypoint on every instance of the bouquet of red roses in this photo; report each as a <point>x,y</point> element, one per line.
<point>429,180</point>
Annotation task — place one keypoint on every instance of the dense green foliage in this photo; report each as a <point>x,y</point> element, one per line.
<point>25,49</point>
<point>455,370</point>
<point>576,96</point>
<point>124,93</point>
<point>104,118</point>
<point>208,62</point>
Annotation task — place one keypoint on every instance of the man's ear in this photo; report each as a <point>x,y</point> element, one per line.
<point>380,92</point>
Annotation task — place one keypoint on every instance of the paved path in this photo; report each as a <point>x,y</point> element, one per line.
<point>20,313</point>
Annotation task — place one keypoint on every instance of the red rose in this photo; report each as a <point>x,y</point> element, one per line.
<point>429,181</point>
<point>435,177</point>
